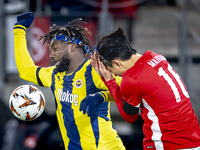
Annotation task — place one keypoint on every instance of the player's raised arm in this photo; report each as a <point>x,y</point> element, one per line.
<point>24,62</point>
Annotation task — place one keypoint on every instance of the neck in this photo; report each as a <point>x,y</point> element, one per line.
<point>131,62</point>
<point>75,64</point>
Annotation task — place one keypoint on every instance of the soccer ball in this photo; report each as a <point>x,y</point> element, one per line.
<point>27,102</point>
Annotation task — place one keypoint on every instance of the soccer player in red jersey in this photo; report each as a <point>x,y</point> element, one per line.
<point>151,84</point>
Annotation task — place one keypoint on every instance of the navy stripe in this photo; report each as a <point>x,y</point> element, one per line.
<point>53,87</point>
<point>19,28</point>
<point>95,128</point>
<point>37,76</point>
<point>102,110</point>
<point>68,115</point>
<point>91,88</point>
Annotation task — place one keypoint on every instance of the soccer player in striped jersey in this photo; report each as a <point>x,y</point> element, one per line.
<point>151,84</point>
<point>71,80</point>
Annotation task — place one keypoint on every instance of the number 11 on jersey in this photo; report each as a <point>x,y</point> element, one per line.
<point>162,73</point>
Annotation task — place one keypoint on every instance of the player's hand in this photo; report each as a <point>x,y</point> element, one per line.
<point>90,103</point>
<point>95,62</point>
<point>99,67</point>
<point>104,72</point>
<point>25,19</point>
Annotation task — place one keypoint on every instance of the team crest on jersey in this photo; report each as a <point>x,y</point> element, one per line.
<point>78,83</point>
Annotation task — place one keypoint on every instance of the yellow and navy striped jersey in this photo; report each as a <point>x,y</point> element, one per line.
<point>79,131</point>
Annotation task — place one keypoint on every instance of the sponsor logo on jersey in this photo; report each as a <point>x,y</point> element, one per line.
<point>67,97</point>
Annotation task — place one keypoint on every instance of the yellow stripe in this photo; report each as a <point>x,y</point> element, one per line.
<point>60,114</point>
<point>83,122</point>
<point>20,26</point>
<point>109,140</point>
<point>61,124</point>
<point>102,95</point>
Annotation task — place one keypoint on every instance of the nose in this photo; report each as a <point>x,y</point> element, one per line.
<point>51,55</point>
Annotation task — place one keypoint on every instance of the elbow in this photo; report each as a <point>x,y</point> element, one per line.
<point>130,111</point>
<point>131,118</point>
<point>22,76</point>
<point>130,121</point>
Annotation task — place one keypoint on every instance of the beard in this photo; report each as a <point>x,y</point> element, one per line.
<point>64,64</point>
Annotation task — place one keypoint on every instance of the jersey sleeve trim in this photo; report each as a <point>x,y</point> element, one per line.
<point>19,27</point>
<point>37,76</point>
<point>104,96</point>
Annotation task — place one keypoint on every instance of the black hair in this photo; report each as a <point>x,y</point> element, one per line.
<point>72,29</point>
<point>114,46</point>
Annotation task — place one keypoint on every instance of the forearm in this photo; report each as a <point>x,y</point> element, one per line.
<point>107,96</point>
<point>24,62</point>
<point>114,90</point>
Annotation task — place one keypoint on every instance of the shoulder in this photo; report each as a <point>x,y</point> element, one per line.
<point>130,84</point>
<point>47,70</point>
<point>129,81</point>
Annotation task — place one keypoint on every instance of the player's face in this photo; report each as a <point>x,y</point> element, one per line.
<point>117,67</point>
<point>59,54</point>
<point>115,70</point>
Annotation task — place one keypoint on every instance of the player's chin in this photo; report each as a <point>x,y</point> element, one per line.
<point>57,63</point>
<point>61,68</point>
<point>57,66</point>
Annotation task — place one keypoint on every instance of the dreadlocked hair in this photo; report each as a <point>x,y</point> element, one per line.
<point>71,30</point>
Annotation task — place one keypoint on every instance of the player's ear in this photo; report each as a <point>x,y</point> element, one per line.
<point>73,47</point>
<point>116,63</point>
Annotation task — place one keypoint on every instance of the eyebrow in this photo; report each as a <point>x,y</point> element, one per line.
<point>51,46</point>
<point>54,43</point>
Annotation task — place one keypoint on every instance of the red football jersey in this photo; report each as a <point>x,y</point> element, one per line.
<point>154,86</point>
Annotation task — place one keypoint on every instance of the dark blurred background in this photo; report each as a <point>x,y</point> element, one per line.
<point>168,27</point>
